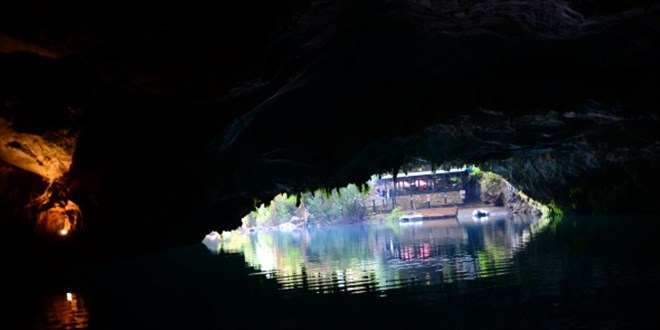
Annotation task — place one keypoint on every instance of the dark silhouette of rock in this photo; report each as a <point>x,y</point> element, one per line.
<point>184,113</point>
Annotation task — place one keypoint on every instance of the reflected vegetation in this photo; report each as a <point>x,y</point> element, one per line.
<point>65,311</point>
<point>590,272</point>
<point>380,256</point>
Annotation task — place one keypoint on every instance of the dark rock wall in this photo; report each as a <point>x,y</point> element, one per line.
<point>185,112</point>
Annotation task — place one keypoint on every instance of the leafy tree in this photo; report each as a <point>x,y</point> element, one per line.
<point>491,182</point>
<point>258,218</point>
<point>348,203</point>
<point>352,202</point>
<point>283,207</point>
<point>323,206</point>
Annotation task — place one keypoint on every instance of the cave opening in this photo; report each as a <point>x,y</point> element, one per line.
<point>421,185</point>
<point>407,220</point>
<point>128,131</point>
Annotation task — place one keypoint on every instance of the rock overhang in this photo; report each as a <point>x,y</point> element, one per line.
<point>183,122</point>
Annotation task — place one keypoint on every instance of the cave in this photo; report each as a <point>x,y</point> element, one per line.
<point>129,129</point>
<point>499,202</point>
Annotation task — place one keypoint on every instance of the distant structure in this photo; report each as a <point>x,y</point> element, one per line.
<point>421,189</point>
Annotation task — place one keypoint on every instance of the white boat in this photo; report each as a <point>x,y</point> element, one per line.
<point>411,218</point>
<point>480,215</point>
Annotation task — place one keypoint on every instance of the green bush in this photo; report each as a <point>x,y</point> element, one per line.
<point>283,207</point>
<point>394,215</point>
<point>490,182</point>
<point>345,203</point>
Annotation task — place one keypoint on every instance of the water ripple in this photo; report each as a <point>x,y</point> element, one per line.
<point>380,257</point>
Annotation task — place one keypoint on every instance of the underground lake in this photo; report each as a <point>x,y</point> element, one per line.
<point>501,273</point>
<point>251,164</point>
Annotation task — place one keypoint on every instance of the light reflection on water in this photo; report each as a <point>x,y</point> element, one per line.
<point>65,311</point>
<point>376,257</point>
<point>577,272</point>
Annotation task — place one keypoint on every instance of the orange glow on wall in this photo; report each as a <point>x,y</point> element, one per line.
<point>60,217</point>
<point>50,156</point>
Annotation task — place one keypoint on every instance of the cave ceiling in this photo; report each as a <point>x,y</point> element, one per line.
<point>194,109</point>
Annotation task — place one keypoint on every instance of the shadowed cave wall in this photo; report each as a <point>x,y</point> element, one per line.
<point>182,114</point>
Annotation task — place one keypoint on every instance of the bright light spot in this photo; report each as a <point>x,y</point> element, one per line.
<point>69,296</point>
<point>63,232</point>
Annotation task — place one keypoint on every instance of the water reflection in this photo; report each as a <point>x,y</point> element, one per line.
<point>66,311</point>
<point>376,257</point>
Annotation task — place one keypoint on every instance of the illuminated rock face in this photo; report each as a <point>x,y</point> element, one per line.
<point>50,157</point>
<point>178,116</point>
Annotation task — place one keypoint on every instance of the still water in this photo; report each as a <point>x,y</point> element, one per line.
<point>576,272</point>
<point>377,257</point>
